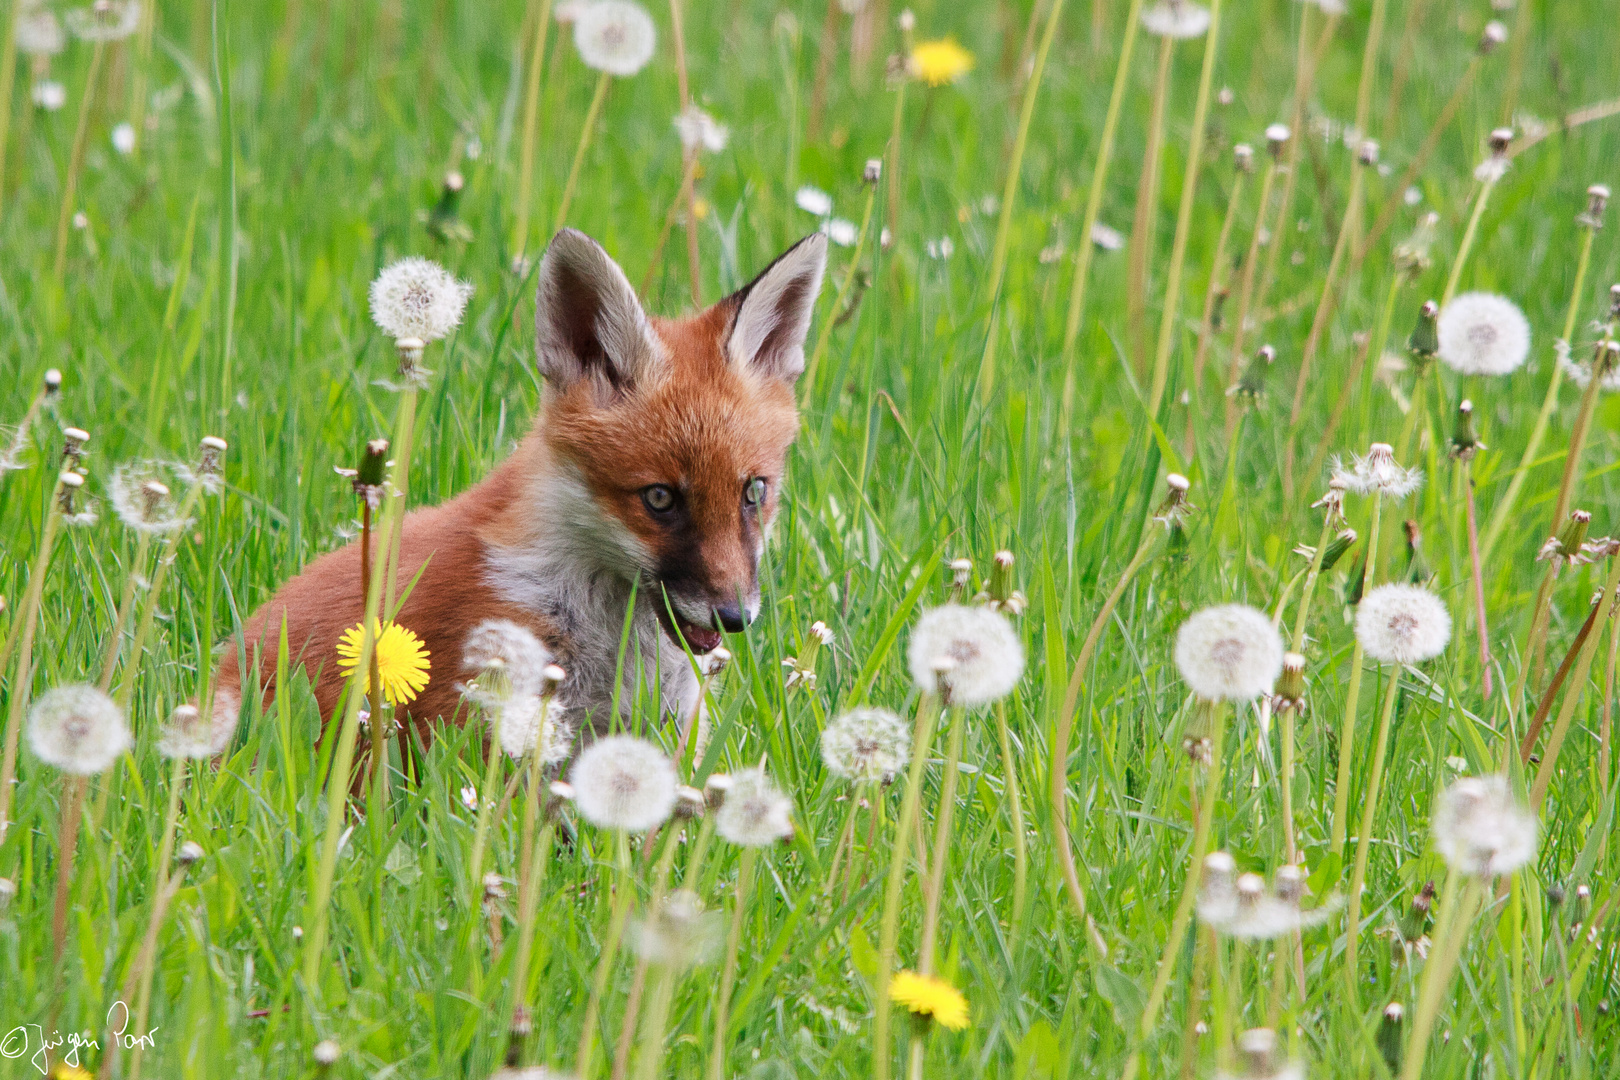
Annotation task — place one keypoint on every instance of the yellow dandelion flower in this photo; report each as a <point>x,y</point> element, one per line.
<point>402,662</point>
<point>926,996</point>
<point>64,1071</point>
<point>939,62</point>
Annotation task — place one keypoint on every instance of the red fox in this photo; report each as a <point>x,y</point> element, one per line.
<point>653,471</point>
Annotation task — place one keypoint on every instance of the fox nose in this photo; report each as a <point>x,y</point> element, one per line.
<point>734,620</point>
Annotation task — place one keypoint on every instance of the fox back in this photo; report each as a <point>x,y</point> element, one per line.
<point>645,492</point>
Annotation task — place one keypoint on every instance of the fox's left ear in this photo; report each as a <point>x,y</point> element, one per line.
<point>773,311</point>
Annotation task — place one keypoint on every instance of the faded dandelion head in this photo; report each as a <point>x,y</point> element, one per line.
<point>678,933</point>
<point>1277,136</point>
<point>1217,888</point>
<point>141,498</point>
<point>39,32</point>
<point>755,813</point>
<point>1604,365</point>
<point>105,20</point>
<point>622,782</point>
<point>72,504</point>
<point>49,95</point>
<point>77,729</point>
<point>812,200</point>
<point>326,1052</point>
<point>1402,624</point>
<point>866,745</point>
<point>841,232</point>
<point>190,852</point>
<point>1176,19</point>
<point>418,298</point>
<point>1230,652</point>
<point>1481,829</point>
<point>534,725</point>
<point>986,656</point>
<point>189,734</point>
<point>615,36</point>
<point>700,131</point>
<point>1245,909</point>
<point>1259,1059</point>
<point>1483,334</point>
<point>1377,474</point>
<point>209,473</point>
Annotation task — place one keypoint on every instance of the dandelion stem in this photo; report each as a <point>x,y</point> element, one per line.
<point>675,204</point>
<point>486,800</point>
<point>1058,767</point>
<point>934,885</point>
<point>606,957</point>
<point>891,162</point>
<point>1206,325</point>
<point>1481,624</point>
<point>824,338</point>
<point>1532,732</point>
<point>160,576</point>
<point>1347,729</point>
<point>1532,447</point>
<point>638,982</point>
<point>1189,191</point>
<point>70,185</point>
<point>1369,372</point>
<point>1099,180</point>
<point>1009,197</point>
<point>67,846</point>
<point>1577,444</point>
<point>688,195</point>
<point>1015,813</point>
<point>889,935</point>
<point>1467,243</point>
<point>1577,689</point>
<point>1205,816</point>
<point>1251,259</point>
<point>585,132</point>
<point>1145,215</point>
<point>1369,809</point>
<point>536,851</point>
<point>728,972</point>
<point>531,124</point>
<point>8,80</point>
<point>1289,714</point>
<point>1451,928</point>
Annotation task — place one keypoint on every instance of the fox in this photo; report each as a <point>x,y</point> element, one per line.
<point>644,492</point>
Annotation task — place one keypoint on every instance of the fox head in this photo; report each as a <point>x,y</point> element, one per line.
<point>669,438</point>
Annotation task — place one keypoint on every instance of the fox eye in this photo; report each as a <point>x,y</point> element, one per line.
<point>658,498</point>
<point>754,491</point>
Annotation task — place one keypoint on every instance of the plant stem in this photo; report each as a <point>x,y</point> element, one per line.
<point>1577,444</point>
<point>585,132</point>
<point>1527,743</point>
<point>1099,181</point>
<point>638,981</point>
<point>1206,325</point>
<point>934,884</point>
<point>1145,215</point>
<point>1015,811</point>
<point>688,194</point>
<point>67,846</point>
<point>1251,259</point>
<point>160,576</point>
<point>531,124</point>
<point>728,973</point>
<point>605,959</point>
<point>1467,243</point>
<point>8,81</point>
<point>891,159</point>
<point>70,186</point>
<point>828,322</point>
<point>1347,729</point>
<point>1452,925</point>
<point>1481,625</point>
<point>22,682</point>
<point>1189,191</point>
<point>536,851</point>
<point>1577,689</point>
<point>1369,809</point>
<point>1009,197</point>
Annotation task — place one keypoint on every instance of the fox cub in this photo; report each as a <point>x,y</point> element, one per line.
<point>653,472</point>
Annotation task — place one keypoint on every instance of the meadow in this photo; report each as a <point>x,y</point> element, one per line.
<point>1036,389</point>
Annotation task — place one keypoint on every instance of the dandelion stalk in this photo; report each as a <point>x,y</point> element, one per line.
<point>728,971</point>
<point>1015,812</point>
<point>688,175</point>
<point>531,124</point>
<point>70,185</point>
<point>1347,728</point>
<point>638,982</point>
<point>486,806</point>
<point>67,847</point>
<point>605,959</point>
<point>1527,743</point>
<point>591,115</point>
<point>138,984</point>
<point>154,592</point>
<point>1608,354</point>
<point>1146,212</point>
<point>1451,929</point>
<point>1009,197</point>
<point>1189,191</point>
<point>8,80</point>
<point>143,61</point>
<point>891,157</point>
<point>1369,808</point>
<point>1276,135</point>
<point>1213,295</point>
<point>1099,180</point>
<point>889,934</point>
<point>1577,689</point>
<point>934,884</point>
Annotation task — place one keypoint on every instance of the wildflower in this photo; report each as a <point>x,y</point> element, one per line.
<point>867,744</point>
<point>1229,653</point>
<point>402,661</point>
<point>1378,474</point>
<point>1568,544</point>
<point>943,248</point>
<point>678,933</point>
<point>469,797</point>
<point>189,852</point>
<point>1402,624</point>
<point>48,94</point>
<point>77,729</point>
<point>841,232</point>
<point>1107,237</point>
<point>929,999</point>
<point>1176,19</point>
<point>1604,366</point>
<point>700,131</point>
<point>141,500</point>
<point>73,512</point>
<point>39,32</point>
<point>1246,910</point>
<point>802,668</point>
<point>123,138</point>
<point>622,782</point>
<point>1495,167</point>
<point>755,813</point>
<point>986,656</point>
<point>209,473</point>
<point>1483,334</point>
<point>812,200</point>
<point>189,734</point>
<point>418,298</point>
<point>615,36</point>
<point>105,20</point>
<point>327,1052</point>
<point>1480,829</point>
<point>939,62</point>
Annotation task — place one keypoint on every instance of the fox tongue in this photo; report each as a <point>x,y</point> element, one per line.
<point>701,639</point>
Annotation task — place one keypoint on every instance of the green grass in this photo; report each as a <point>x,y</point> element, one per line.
<point>220,289</point>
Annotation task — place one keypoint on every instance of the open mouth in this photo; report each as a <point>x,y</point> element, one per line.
<point>700,639</point>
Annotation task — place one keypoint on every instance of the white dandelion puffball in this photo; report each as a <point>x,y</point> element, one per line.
<point>77,729</point>
<point>1377,474</point>
<point>1481,830</point>
<point>123,138</point>
<point>143,500</point>
<point>105,20</point>
<point>615,36</point>
<point>1176,19</point>
<point>418,298</point>
<point>841,232</point>
<point>1581,373</point>
<point>755,812</point>
<point>189,734</point>
<point>866,745</point>
<point>983,656</point>
<point>700,131</point>
<point>622,782</point>
<point>812,200</point>
<point>678,932</point>
<point>39,32</point>
<point>1402,624</point>
<point>50,95</point>
<point>1483,334</point>
<point>532,724</point>
<point>509,660</point>
<point>1107,237</point>
<point>1230,652</point>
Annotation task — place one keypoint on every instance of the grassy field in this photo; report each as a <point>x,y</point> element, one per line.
<point>213,281</point>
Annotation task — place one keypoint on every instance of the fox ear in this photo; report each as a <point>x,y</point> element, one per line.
<point>588,322</point>
<point>773,311</point>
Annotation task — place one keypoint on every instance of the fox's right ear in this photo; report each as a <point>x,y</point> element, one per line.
<point>773,311</point>
<point>588,323</point>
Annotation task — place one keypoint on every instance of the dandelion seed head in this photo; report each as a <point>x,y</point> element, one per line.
<point>140,497</point>
<point>700,131</point>
<point>189,734</point>
<point>1481,829</point>
<point>123,138</point>
<point>1402,624</point>
<point>326,1052</point>
<point>418,298</point>
<point>77,729</point>
<point>615,36</point>
<point>755,812</point>
<point>1176,19</point>
<point>866,745</point>
<point>1230,652</point>
<point>1106,237</point>
<point>190,852</point>
<point>105,20</point>
<point>812,200</point>
<point>986,656</point>
<point>48,94</point>
<point>622,782</point>
<point>39,32</point>
<point>1377,474</point>
<point>678,933</point>
<point>1483,334</point>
